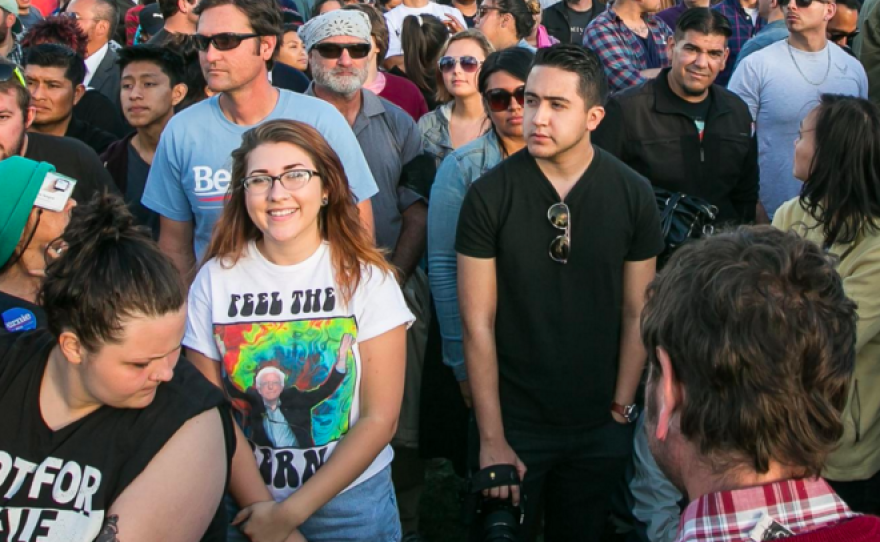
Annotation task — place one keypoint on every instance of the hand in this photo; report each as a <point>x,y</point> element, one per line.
<point>619,419</point>
<point>265,522</point>
<point>452,24</point>
<point>296,536</point>
<point>500,453</point>
<point>465,387</point>
<point>342,355</point>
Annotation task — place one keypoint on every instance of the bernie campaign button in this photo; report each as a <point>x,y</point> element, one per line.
<point>18,319</point>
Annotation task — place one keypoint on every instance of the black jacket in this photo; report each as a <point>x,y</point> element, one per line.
<point>644,128</point>
<point>555,20</point>
<point>107,78</point>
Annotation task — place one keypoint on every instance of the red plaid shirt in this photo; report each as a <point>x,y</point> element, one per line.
<point>744,29</point>
<point>621,51</point>
<point>730,516</point>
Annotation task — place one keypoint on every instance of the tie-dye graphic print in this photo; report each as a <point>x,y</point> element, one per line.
<point>318,390</point>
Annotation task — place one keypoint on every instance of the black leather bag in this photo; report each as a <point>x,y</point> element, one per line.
<point>682,218</point>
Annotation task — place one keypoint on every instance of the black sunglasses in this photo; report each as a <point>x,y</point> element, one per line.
<point>801,3</point>
<point>560,218</point>
<point>224,41</point>
<point>498,99</point>
<point>469,64</point>
<point>333,51</point>
<point>8,71</point>
<point>839,35</point>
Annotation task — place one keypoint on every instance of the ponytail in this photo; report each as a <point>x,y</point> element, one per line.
<point>422,38</point>
<point>109,270</point>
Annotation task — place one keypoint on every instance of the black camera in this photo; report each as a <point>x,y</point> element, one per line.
<point>492,520</point>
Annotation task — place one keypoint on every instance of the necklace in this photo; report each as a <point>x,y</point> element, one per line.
<point>827,70</point>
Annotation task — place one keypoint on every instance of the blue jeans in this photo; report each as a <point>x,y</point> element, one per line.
<point>365,513</point>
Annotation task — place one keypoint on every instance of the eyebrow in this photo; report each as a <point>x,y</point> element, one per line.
<point>285,168</point>
<point>549,98</point>
<point>160,356</point>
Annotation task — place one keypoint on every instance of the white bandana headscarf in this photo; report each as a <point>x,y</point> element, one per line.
<point>339,22</point>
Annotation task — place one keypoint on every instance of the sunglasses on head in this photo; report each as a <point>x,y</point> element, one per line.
<point>333,51</point>
<point>499,99</point>
<point>224,41</point>
<point>8,71</point>
<point>801,3</point>
<point>469,64</point>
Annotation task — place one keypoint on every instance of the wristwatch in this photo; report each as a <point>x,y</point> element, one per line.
<point>629,412</point>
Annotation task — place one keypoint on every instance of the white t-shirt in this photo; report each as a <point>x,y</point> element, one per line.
<point>289,322</point>
<point>394,20</point>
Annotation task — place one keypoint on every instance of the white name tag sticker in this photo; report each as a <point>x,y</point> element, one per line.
<point>55,192</point>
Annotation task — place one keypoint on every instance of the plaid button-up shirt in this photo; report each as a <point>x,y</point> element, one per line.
<point>743,28</point>
<point>15,54</point>
<point>621,51</point>
<point>731,516</point>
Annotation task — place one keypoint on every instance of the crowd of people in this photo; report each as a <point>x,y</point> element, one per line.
<point>262,262</point>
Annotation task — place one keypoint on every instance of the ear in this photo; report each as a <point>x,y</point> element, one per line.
<point>78,92</point>
<point>670,43</point>
<point>184,6</point>
<point>268,45</point>
<point>71,347</point>
<point>830,11</point>
<point>178,93</point>
<point>105,26</point>
<point>30,115</point>
<point>595,115</point>
<point>667,392</point>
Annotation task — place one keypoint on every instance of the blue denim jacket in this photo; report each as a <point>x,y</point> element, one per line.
<point>435,132</point>
<point>456,174</point>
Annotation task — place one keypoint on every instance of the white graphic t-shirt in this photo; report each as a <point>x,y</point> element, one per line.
<point>290,357</point>
<point>394,21</point>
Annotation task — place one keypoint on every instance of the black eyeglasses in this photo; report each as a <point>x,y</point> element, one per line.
<point>498,99</point>
<point>224,41</point>
<point>560,218</point>
<point>839,35</point>
<point>8,71</point>
<point>291,181</point>
<point>469,64</point>
<point>333,51</point>
<point>801,3</point>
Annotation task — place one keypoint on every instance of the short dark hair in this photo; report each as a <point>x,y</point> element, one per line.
<point>169,8</point>
<point>112,270</point>
<point>378,30</point>
<point>517,61</point>
<point>842,191</point>
<point>183,45</point>
<point>707,21</point>
<point>264,17</point>
<point>761,337</point>
<point>107,11</point>
<point>53,55</point>
<point>584,63</point>
<point>57,29</point>
<point>22,95</point>
<point>522,17</point>
<point>166,59</point>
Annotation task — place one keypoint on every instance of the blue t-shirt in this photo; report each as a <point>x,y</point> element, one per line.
<point>652,56</point>
<point>192,167</point>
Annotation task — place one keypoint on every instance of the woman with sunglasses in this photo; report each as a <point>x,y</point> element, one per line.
<point>35,216</point>
<point>502,86</point>
<point>294,283</point>
<point>839,208</point>
<point>538,38</point>
<point>104,431</point>
<point>462,118</point>
<point>422,38</point>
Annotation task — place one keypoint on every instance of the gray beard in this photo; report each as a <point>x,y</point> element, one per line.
<point>342,85</point>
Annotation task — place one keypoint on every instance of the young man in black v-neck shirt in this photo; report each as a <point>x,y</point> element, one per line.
<point>684,133</point>
<point>556,247</point>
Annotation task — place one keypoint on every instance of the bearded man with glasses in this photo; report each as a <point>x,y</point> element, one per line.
<point>556,246</point>
<point>783,81</point>
<point>190,174</point>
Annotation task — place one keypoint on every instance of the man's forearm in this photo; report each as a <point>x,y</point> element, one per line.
<point>245,483</point>
<point>482,365</point>
<point>185,262</point>
<point>412,240</point>
<point>632,361</point>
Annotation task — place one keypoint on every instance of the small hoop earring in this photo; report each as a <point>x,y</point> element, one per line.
<point>324,201</point>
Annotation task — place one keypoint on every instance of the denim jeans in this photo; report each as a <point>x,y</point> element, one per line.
<point>364,513</point>
<point>570,478</point>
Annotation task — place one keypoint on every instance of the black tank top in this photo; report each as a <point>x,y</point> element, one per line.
<point>59,485</point>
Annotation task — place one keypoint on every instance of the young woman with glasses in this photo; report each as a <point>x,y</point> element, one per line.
<point>293,283</point>
<point>462,118</point>
<point>839,208</point>
<point>502,87</point>
<point>106,433</point>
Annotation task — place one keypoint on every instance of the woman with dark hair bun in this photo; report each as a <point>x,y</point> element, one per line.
<point>422,40</point>
<point>105,432</point>
<point>502,86</point>
<point>300,319</point>
<point>837,156</point>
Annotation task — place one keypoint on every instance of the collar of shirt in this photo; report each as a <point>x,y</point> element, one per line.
<point>93,61</point>
<point>730,516</point>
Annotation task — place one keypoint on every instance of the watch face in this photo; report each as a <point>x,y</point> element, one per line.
<point>631,413</point>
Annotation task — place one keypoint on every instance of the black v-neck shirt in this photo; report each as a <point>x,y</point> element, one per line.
<point>59,485</point>
<point>557,327</point>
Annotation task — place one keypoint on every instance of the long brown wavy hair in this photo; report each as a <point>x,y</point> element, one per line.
<point>352,250</point>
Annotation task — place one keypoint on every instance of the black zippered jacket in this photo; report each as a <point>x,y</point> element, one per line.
<point>644,128</point>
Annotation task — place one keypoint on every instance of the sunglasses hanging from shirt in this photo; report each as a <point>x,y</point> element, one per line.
<point>559,216</point>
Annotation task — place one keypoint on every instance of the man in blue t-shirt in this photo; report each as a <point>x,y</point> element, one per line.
<point>192,168</point>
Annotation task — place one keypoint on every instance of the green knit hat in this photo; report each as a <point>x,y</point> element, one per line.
<point>20,181</point>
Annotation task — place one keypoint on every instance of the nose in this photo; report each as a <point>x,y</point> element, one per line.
<point>278,192</point>
<point>165,369</point>
<point>540,117</point>
<point>212,54</point>
<point>344,58</point>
